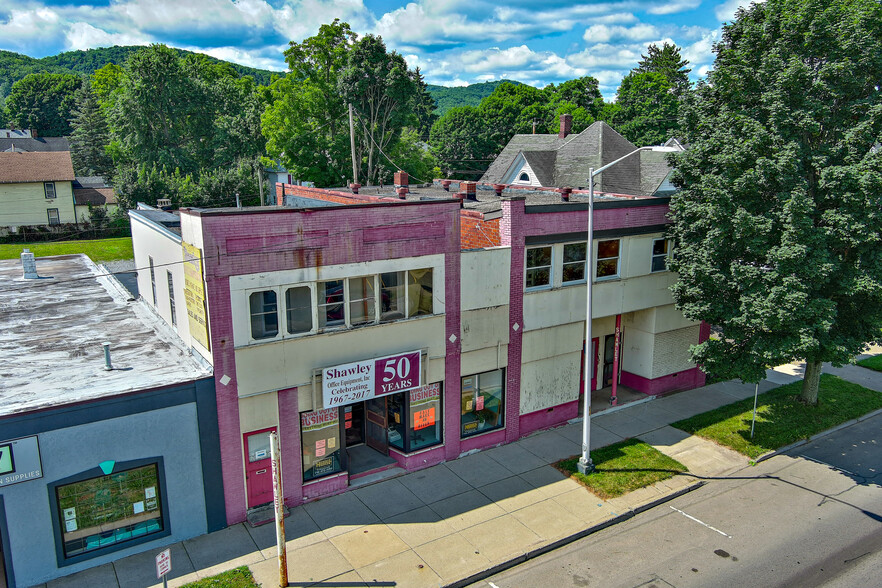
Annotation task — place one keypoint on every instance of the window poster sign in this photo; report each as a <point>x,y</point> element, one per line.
<point>319,432</point>
<point>194,294</point>
<point>423,405</point>
<point>20,461</point>
<point>362,380</point>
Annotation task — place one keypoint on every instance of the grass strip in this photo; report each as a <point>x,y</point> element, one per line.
<point>873,363</point>
<point>622,467</point>
<point>781,419</point>
<point>98,250</point>
<point>238,578</point>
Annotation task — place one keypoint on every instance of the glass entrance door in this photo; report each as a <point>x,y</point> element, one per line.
<point>353,419</point>
<point>377,424</point>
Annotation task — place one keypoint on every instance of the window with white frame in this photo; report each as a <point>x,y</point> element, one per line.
<point>538,273</point>
<point>331,304</point>
<point>49,189</point>
<point>608,254</point>
<point>152,279</point>
<point>574,256</point>
<point>298,309</point>
<point>171,298</point>
<point>362,301</point>
<point>350,302</point>
<point>54,219</point>
<point>524,177</point>
<point>661,249</point>
<point>264,314</point>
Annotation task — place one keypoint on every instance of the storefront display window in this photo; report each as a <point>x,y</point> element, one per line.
<point>103,511</point>
<point>415,418</point>
<point>321,446</point>
<point>482,402</point>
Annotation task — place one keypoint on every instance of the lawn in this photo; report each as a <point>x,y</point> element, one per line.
<point>98,250</point>
<point>781,419</point>
<point>239,578</point>
<point>873,363</point>
<point>622,467</point>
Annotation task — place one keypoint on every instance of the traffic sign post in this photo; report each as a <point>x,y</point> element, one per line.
<point>163,566</point>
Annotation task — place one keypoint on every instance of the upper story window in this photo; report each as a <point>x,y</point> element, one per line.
<point>524,177</point>
<point>574,256</point>
<point>264,314</point>
<point>171,298</point>
<point>661,249</point>
<point>350,302</point>
<point>538,267</point>
<point>608,258</point>
<point>298,309</point>
<point>49,188</point>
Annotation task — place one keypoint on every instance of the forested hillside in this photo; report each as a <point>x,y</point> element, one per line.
<point>15,66</point>
<point>447,98</point>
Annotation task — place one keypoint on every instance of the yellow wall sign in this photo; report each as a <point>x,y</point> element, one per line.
<point>194,293</point>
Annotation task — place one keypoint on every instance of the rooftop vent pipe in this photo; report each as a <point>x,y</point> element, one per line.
<point>29,264</point>
<point>107,365</point>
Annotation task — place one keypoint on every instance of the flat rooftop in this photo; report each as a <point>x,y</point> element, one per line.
<point>52,330</point>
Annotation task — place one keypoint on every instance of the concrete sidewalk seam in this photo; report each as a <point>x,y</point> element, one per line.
<point>501,567</point>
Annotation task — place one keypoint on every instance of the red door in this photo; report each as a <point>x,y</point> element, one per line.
<point>258,467</point>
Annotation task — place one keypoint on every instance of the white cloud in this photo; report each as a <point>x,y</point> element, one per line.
<point>673,6</point>
<point>35,25</point>
<point>83,36</point>
<point>601,33</point>
<point>726,10</point>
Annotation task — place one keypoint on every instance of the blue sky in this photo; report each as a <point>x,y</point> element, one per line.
<point>454,42</point>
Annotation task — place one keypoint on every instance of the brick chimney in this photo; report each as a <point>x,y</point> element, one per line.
<point>470,189</point>
<point>565,194</point>
<point>401,180</point>
<point>402,192</point>
<point>566,125</point>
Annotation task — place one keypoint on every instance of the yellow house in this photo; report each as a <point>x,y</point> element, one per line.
<point>36,189</point>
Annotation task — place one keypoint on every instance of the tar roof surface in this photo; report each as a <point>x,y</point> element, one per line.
<point>51,331</point>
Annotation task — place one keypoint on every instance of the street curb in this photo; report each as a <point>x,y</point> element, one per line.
<point>572,538</point>
<point>816,436</point>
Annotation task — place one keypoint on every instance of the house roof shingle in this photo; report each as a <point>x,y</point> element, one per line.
<point>565,162</point>
<point>35,166</point>
<point>38,144</point>
<point>93,196</point>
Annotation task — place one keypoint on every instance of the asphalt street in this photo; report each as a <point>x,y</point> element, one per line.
<point>811,517</point>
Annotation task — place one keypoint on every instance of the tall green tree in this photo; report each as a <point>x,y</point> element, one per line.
<point>43,102</point>
<point>424,106</point>
<point>647,109</point>
<point>460,140</point>
<point>160,114</point>
<point>90,136</point>
<point>668,62</point>
<point>382,92</point>
<point>778,223</point>
<point>514,109</point>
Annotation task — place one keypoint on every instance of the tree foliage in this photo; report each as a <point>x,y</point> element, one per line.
<point>43,102</point>
<point>778,223</point>
<point>90,136</point>
<point>647,109</point>
<point>460,140</point>
<point>668,62</point>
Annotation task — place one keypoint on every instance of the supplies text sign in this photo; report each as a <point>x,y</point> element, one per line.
<point>194,294</point>
<point>361,380</point>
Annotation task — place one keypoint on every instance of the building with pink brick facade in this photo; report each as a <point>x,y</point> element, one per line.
<point>395,329</point>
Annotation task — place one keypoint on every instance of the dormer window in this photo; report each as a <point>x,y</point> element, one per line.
<point>524,177</point>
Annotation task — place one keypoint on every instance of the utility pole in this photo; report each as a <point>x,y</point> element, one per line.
<point>260,182</point>
<point>352,145</point>
<point>534,126</point>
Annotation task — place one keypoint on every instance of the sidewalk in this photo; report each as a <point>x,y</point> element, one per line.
<point>443,525</point>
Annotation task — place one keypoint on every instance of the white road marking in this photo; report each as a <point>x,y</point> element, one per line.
<point>837,468</point>
<point>492,585</point>
<point>700,522</point>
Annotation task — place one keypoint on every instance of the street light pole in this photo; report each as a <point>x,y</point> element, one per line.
<point>585,465</point>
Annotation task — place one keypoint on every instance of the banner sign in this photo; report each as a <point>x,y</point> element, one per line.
<point>20,461</point>
<point>362,380</point>
<point>194,294</point>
